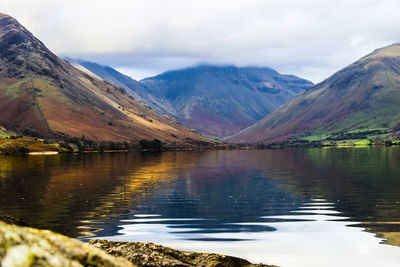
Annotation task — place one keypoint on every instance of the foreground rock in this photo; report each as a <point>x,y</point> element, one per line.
<point>24,246</point>
<point>149,254</point>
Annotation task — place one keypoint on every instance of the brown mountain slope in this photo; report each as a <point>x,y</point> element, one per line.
<point>40,91</point>
<point>361,98</point>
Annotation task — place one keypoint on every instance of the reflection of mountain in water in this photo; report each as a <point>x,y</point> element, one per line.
<point>61,192</point>
<point>201,194</point>
<point>208,186</point>
<point>363,183</point>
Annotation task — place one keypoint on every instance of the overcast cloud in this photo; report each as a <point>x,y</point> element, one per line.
<point>309,38</point>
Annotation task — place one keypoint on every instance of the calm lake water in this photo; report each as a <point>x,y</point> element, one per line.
<point>299,207</point>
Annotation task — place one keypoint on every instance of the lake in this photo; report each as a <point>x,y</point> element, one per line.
<point>289,207</point>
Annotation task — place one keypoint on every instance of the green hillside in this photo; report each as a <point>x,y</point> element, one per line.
<point>361,101</point>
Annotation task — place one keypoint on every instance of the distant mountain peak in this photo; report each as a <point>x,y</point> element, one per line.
<point>205,67</point>
<point>221,100</point>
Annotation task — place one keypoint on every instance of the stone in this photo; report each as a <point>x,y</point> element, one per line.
<point>153,255</point>
<point>24,246</point>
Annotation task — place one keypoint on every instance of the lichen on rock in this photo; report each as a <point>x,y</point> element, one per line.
<point>153,255</point>
<point>24,246</point>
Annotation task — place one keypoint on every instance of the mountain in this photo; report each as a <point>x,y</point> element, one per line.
<point>133,87</point>
<point>222,100</point>
<point>360,100</point>
<point>43,93</point>
<point>215,100</point>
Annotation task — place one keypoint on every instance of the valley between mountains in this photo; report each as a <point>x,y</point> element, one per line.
<point>42,95</point>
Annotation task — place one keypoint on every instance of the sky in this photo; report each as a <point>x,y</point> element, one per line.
<point>308,38</point>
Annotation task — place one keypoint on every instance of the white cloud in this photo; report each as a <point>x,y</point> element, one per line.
<point>310,38</point>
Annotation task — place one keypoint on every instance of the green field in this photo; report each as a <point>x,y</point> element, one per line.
<point>357,137</point>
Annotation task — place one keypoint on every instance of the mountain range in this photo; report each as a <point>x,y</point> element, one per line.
<point>42,93</point>
<point>217,101</point>
<point>360,100</point>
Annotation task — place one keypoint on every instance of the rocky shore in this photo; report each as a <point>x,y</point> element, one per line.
<point>153,255</point>
<point>25,246</point>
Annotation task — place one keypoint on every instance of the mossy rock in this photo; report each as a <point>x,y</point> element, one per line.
<point>152,255</point>
<point>24,246</point>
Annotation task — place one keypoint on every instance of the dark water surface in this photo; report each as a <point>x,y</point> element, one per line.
<point>300,207</point>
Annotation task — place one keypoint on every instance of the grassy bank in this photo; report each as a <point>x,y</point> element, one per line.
<point>25,145</point>
<point>325,143</point>
<point>354,138</point>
